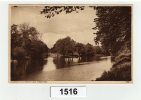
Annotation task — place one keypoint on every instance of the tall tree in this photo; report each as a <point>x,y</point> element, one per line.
<point>28,32</point>
<point>16,39</point>
<point>114,27</point>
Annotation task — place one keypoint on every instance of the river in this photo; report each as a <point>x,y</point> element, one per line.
<point>82,71</point>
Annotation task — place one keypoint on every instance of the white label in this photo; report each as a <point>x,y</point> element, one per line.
<point>68,91</point>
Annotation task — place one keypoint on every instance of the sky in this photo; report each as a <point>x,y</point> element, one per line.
<point>76,25</point>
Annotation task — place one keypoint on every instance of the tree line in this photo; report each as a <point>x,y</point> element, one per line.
<point>67,47</point>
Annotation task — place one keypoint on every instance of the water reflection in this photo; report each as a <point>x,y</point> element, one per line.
<point>85,69</point>
<point>61,62</point>
<point>52,63</point>
<point>38,65</point>
<point>25,67</point>
<point>49,65</point>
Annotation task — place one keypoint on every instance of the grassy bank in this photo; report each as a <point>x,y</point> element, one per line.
<point>121,69</point>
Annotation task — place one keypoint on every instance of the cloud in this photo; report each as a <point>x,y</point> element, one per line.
<point>76,25</point>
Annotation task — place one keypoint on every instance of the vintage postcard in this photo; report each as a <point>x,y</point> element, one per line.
<point>70,43</point>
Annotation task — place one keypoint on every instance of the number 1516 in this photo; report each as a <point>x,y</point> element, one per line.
<point>68,91</point>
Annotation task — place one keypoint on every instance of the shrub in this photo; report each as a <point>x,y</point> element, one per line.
<point>120,71</point>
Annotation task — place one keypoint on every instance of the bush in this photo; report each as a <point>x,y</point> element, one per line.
<point>120,71</point>
<point>122,58</point>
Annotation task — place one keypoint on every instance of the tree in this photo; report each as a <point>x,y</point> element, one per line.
<point>36,49</point>
<point>64,46</point>
<point>26,37</point>
<point>89,50</point>
<point>114,33</point>
<point>16,39</point>
<point>98,50</point>
<point>114,27</point>
<point>28,32</point>
<point>80,48</point>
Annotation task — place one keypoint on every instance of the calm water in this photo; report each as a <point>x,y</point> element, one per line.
<point>71,69</point>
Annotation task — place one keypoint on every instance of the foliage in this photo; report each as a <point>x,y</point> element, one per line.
<point>68,46</point>
<point>121,73</point>
<point>122,58</point>
<point>89,50</point>
<point>114,34</point>
<point>26,37</point>
<point>64,46</point>
<point>51,11</point>
<point>18,53</point>
<point>98,50</point>
<point>25,49</point>
<point>37,49</point>
<point>80,48</point>
<point>114,27</point>
<point>16,39</point>
<point>28,31</point>
<point>121,69</point>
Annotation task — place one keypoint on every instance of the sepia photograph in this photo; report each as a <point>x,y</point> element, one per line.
<point>70,43</point>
